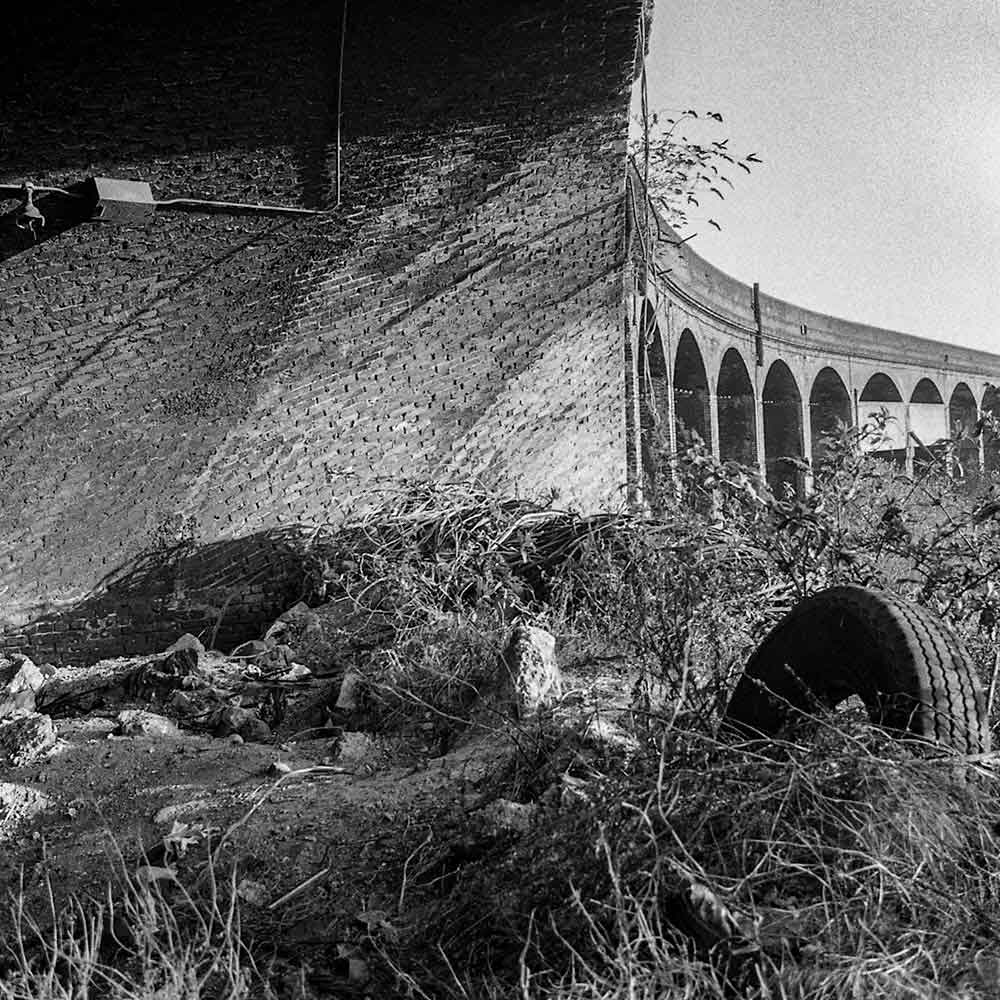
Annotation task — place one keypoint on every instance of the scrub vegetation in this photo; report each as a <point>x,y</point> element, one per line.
<point>636,849</point>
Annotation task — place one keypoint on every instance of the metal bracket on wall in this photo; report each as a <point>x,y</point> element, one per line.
<point>132,201</point>
<point>110,199</point>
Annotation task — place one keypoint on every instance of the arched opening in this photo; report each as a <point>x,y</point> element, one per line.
<point>734,392</point>
<point>882,415</point>
<point>691,404</point>
<point>928,426</point>
<point>782,405</point>
<point>880,389</point>
<point>654,405</point>
<point>829,408</point>
<point>925,391</point>
<point>991,439</point>
<point>963,416</point>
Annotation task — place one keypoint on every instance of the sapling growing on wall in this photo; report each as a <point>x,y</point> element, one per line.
<point>682,175</point>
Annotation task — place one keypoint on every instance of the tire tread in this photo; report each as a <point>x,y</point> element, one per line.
<point>909,655</point>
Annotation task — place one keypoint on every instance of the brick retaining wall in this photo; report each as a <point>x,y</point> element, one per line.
<point>191,389</point>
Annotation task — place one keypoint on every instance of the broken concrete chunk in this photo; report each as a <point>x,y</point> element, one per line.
<point>534,679</point>
<point>180,662</point>
<point>243,723</point>
<point>25,739</point>
<point>21,682</point>
<point>156,679</point>
<point>296,672</point>
<point>350,688</point>
<point>184,703</point>
<point>18,804</point>
<point>299,617</point>
<point>356,748</point>
<point>136,722</point>
<point>187,641</point>
<point>331,636</point>
<point>539,679</point>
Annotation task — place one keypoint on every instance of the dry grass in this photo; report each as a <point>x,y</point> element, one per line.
<point>852,867</point>
<point>849,864</point>
<point>148,938</point>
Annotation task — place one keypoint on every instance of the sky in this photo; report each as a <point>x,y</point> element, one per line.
<point>878,122</point>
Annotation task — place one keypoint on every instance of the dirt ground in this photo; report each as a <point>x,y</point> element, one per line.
<point>323,826</point>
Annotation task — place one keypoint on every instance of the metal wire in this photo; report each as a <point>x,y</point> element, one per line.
<point>340,93</point>
<point>196,204</point>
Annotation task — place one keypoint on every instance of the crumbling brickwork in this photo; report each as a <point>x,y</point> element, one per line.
<point>176,397</point>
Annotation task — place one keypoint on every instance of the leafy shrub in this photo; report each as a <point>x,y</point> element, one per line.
<point>854,865</point>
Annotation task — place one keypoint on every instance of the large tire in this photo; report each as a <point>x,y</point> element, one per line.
<point>912,674</point>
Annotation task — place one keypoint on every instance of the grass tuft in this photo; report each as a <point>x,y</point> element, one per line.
<point>147,938</point>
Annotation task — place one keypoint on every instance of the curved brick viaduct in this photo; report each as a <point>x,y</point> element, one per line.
<point>180,396</point>
<point>760,385</point>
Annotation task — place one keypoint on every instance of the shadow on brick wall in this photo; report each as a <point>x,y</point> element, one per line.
<point>224,592</point>
<point>59,214</point>
<point>106,82</point>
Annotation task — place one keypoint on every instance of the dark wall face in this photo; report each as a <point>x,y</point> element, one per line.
<point>782,406</point>
<point>173,387</point>
<point>991,440</point>
<point>829,409</point>
<point>963,418</point>
<point>654,410</point>
<point>692,408</point>
<point>736,402</point>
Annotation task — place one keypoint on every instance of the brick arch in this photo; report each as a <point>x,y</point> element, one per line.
<point>928,424</point>
<point>963,412</point>
<point>829,406</point>
<point>881,388</point>
<point>926,391</point>
<point>880,396</point>
<point>783,435</point>
<point>736,402</point>
<point>691,392</point>
<point>963,417</point>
